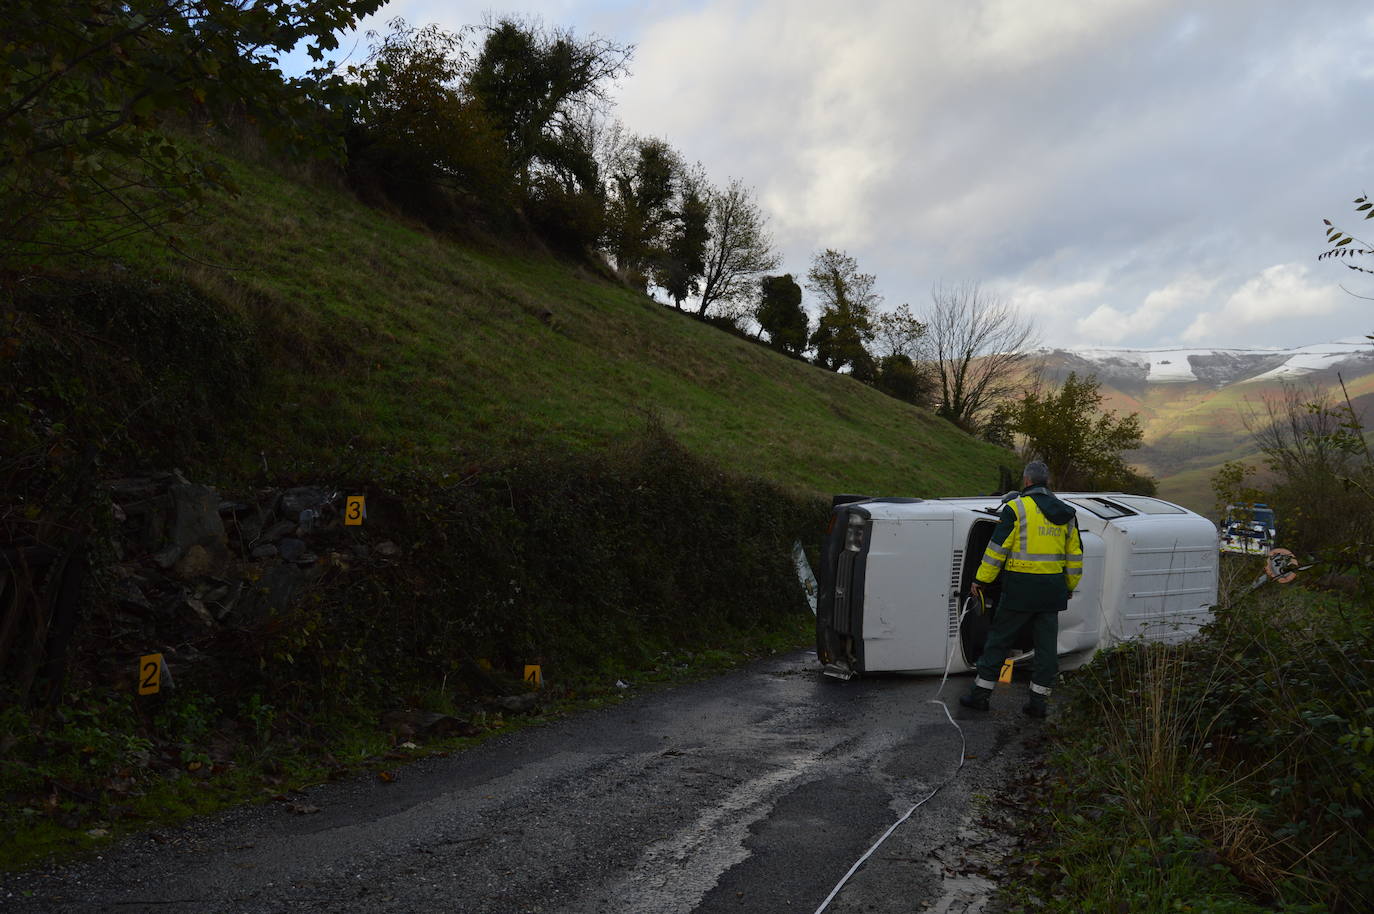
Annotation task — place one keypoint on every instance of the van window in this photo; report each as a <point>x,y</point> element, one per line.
<point>1102,507</point>
<point>1148,505</point>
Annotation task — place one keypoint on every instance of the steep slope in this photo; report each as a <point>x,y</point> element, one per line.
<point>386,339</point>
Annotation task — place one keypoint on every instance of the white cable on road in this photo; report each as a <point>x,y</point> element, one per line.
<point>963,746</point>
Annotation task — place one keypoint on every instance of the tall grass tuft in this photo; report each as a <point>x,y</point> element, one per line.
<point>1232,773</point>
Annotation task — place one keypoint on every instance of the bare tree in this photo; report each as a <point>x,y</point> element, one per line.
<point>1304,432</point>
<point>978,344</point>
<point>739,249</point>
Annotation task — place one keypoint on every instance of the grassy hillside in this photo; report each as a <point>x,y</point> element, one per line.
<point>384,338</point>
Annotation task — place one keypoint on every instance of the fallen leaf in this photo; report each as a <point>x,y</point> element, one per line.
<point>386,777</point>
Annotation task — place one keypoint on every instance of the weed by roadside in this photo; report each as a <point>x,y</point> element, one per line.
<point>1227,774</point>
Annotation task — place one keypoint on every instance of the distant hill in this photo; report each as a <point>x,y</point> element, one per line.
<point>1193,402</point>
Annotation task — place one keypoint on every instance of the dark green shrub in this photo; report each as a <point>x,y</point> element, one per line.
<point>131,367</point>
<point>584,562</point>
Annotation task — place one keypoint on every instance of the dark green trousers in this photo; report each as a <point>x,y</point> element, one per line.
<point>1044,638</point>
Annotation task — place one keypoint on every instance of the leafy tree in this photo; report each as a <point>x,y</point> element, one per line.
<point>999,425</point>
<point>738,248</point>
<point>864,367</point>
<point>899,340</point>
<point>848,299</point>
<point>415,129</point>
<point>567,200</point>
<point>1341,243</point>
<point>977,346</point>
<point>900,377</point>
<point>781,315</point>
<point>898,332</point>
<point>537,85</point>
<point>1231,485</point>
<point>89,89</point>
<point>646,178</point>
<point>683,259</point>
<point>1081,443</point>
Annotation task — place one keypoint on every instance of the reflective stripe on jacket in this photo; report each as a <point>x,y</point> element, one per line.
<point>1034,545</point>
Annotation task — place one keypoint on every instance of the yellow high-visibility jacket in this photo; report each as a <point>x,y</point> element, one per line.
<point>1037,535</point>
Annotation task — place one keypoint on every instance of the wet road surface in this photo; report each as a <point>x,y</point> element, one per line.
<point>752,792</point>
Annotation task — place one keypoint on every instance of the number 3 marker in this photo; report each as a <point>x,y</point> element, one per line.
<point>354,511</point>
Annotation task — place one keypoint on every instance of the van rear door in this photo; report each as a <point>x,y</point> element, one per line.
<point>908,589</point>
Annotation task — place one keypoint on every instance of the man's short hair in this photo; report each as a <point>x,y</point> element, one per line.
<point>1036,473</point>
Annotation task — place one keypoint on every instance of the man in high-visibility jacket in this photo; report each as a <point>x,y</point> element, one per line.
<point>1039,554</point>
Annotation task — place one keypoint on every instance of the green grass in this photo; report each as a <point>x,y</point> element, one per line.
<point>385,337</point>
<point>1225,775</point>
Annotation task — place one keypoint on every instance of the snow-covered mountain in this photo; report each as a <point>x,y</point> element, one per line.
<point>1198,406</point>
<point>1215,367</point>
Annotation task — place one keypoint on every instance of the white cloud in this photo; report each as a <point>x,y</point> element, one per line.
<point>1188,290</point>
<point>1280,294</point>
<point>1107,325</point>
<point>1056,302</point>
<point>1091,160</point>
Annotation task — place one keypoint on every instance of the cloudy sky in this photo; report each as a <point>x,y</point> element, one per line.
<point>1134,173</point>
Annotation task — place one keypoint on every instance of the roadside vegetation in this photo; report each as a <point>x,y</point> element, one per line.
<point>1082,444</point>
<point>1232,773</point>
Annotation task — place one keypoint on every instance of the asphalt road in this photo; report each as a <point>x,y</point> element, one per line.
<point>755,792</point>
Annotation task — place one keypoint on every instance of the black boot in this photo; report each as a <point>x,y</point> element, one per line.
<point>977,698</point>
<point>1036,705</point>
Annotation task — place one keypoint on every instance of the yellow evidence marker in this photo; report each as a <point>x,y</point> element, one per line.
<point>355,509</point>
<point>1005,675</point>
<point>149,674</point>
<point>534,674</point>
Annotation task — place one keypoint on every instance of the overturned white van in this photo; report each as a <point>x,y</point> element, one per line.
<point>895,573</point>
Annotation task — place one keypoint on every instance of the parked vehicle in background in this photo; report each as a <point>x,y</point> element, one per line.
<point>895,574</point>
<point>1248,529</point>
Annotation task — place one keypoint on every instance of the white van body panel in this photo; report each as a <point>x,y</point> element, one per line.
<point>1150,574</point>
<point>908,592</point>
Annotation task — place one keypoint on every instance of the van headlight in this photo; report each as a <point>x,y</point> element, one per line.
<point>854,535</point>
